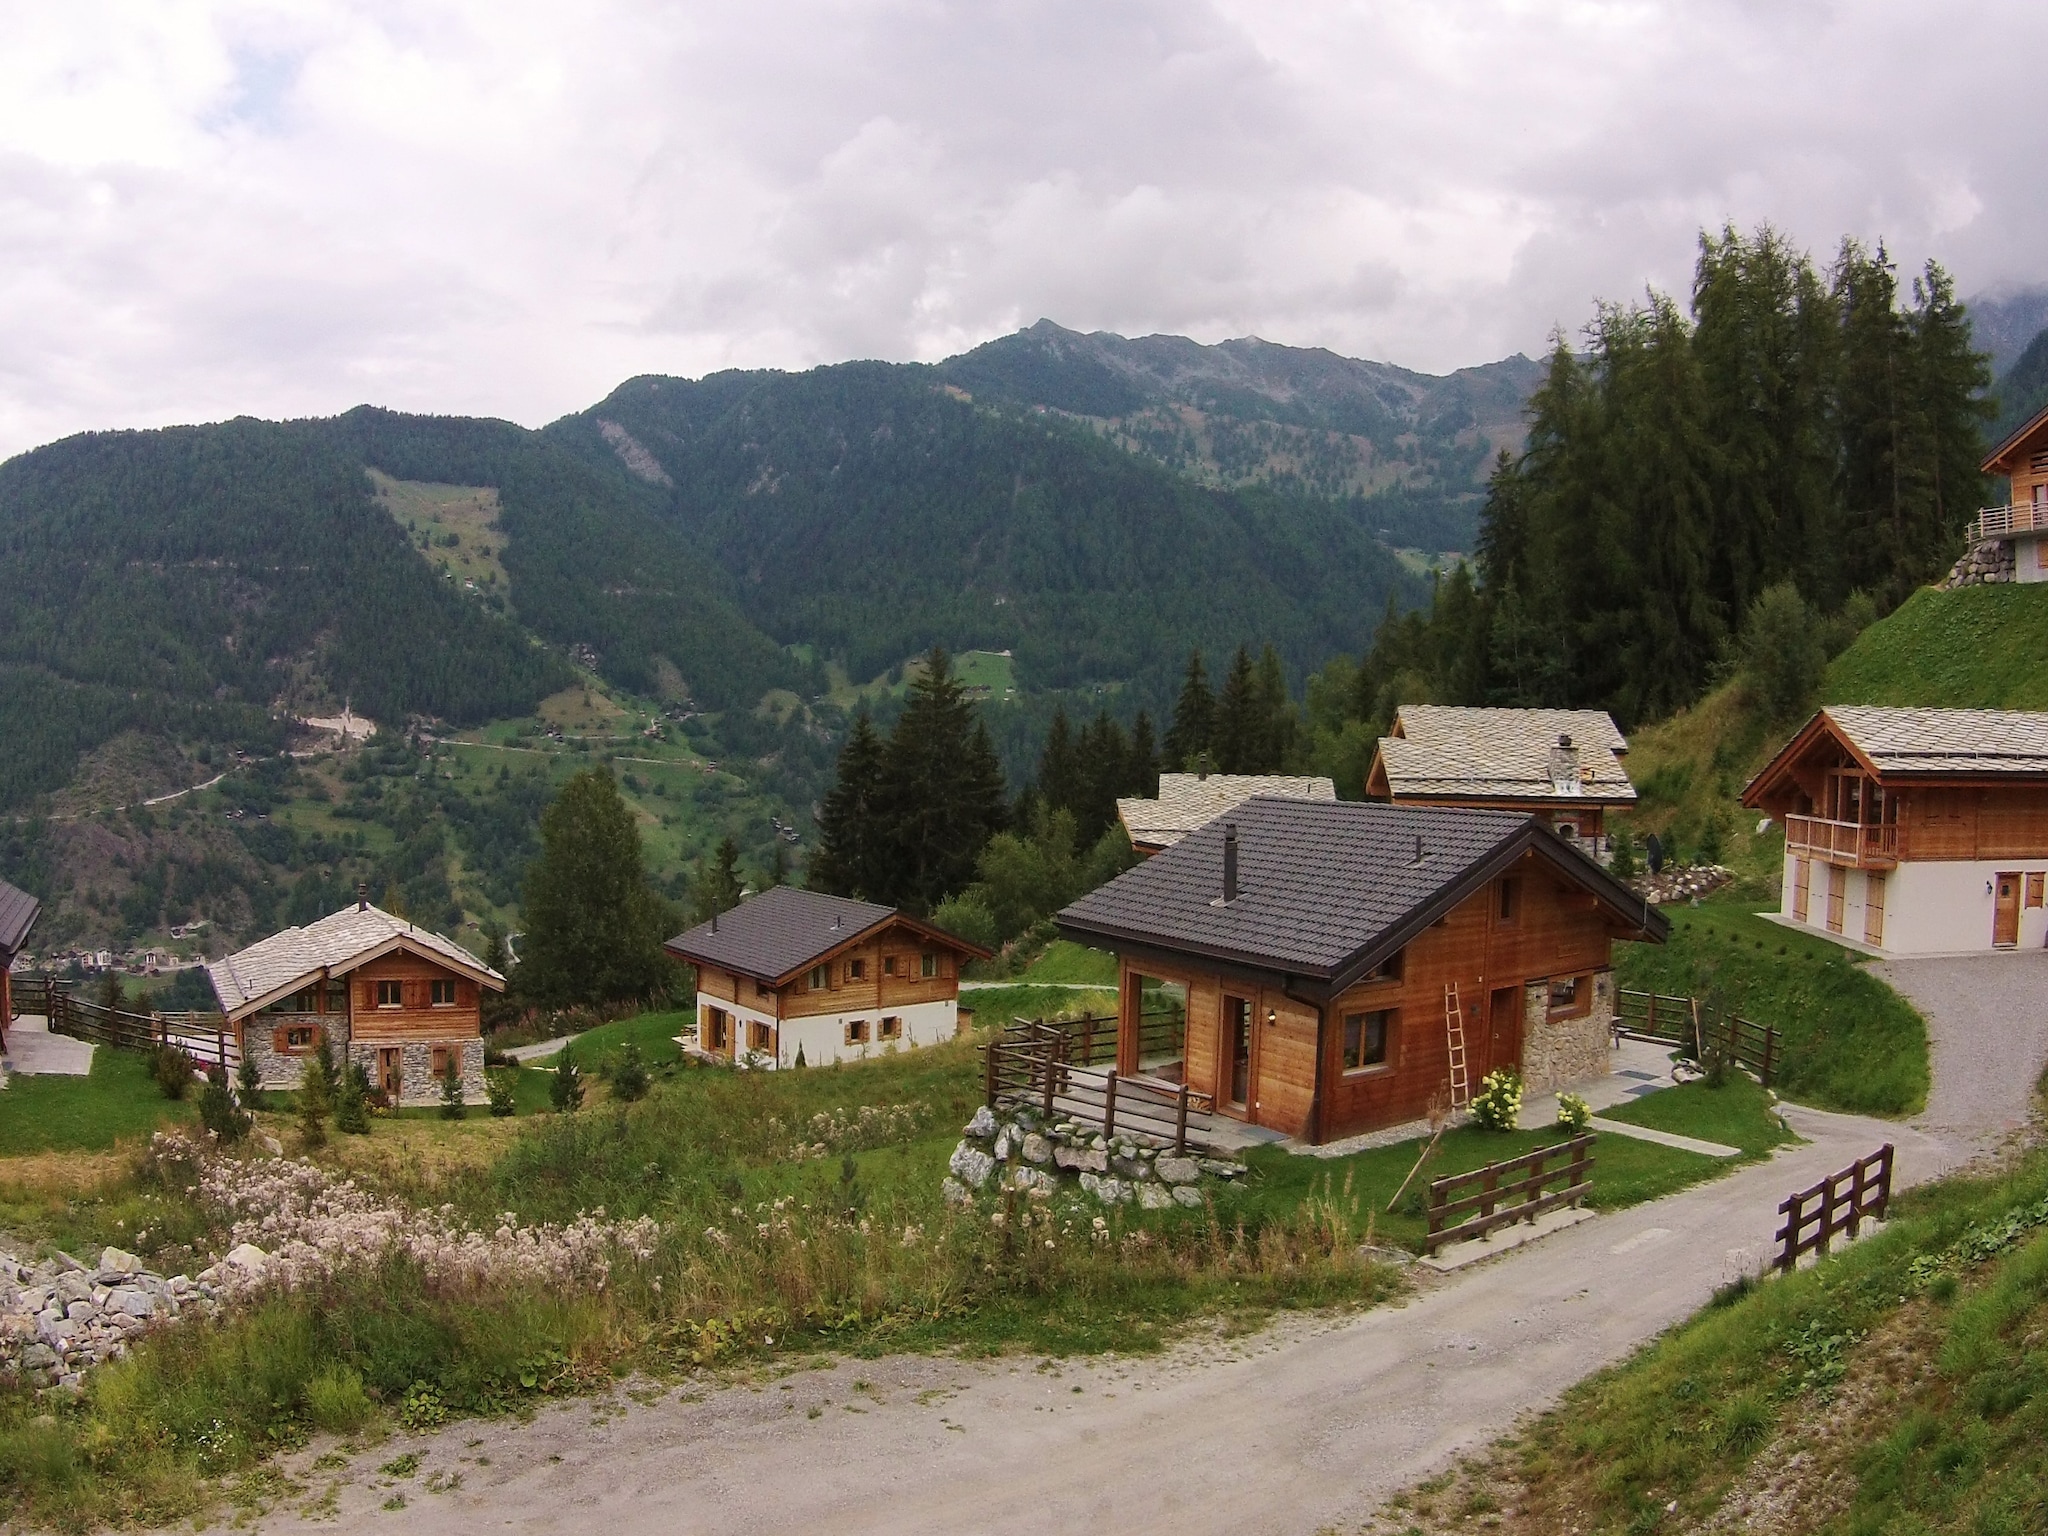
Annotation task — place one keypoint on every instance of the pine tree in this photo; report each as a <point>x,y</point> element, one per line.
<point>1059,766</point>
<point>1103,773</point>
<point>352,1100</point>
<point>1194,721</point>
<point>1237,738</point>
<point>850,856</point>
<point>942,791</point>
<point>1275,727</point>
<point>1141,775</point>
<point>594,926</point>
<point>717,886</point>
<point>777,872</point>
<point>452,1107</point>
<point>565,1085</point>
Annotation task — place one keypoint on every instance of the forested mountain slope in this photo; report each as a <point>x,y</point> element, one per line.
<point>870,510</point>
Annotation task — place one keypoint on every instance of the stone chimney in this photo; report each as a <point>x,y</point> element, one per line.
<point>1564,767</point>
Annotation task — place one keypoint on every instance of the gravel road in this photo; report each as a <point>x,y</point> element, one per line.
<point>1987,1024</point>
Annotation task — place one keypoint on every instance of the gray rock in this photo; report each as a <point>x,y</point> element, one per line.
<point>73,1285</point>
<point>117,1261</point>
<point>1221,1169</point>
<point>1033,1181</point>
<point>955,1192</point>
<point>247,1256</point>
<point>1001,1150</point>
<point>970,1165</point>
<point>1108,1191</point>
<point>983,1124</point>
<point>1179,1170</point>
<point>271,1145</point>
<point>1187,1194</point>
<point>1154,1197</point>
<point>38,1357</point>
<point>81,1312</point>
<point>1129,1167</point>
<point>134,1301</point>
<point>1037,1149</point>
<point>1086,1159</point>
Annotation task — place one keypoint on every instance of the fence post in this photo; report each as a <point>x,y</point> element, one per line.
<point>1180,1123</point>
<point>1856,1198</point>
<point>994,1045</point>
<point>1049,1055</point>
<point>1884,1180</point>
<point>1827,1217</point>
<point>1535,1191</point>
<point>1109,1105</point>
<point>1651,1027</point>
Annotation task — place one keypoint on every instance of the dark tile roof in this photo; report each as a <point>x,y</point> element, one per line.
<point>17,915</point>
<point>783,931</point>
<point>1325,889</point>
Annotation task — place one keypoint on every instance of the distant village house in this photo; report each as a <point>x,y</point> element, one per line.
<point>1187,801</point>
<point>792,974</point>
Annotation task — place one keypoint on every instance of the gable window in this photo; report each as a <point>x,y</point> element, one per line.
<point>390,994</point>
<point>856,1031</point>
<point>762,989</point>
<point>1365,1039</point>
<point>441,994</point>
<point>820,978</point>
<point>889,966</point>
<point>1510,907</point>
<point>928,964</point>
<point>856,970</point>
<point>1388,969</point>
<point>892,1028</point>
<point>337,997</point>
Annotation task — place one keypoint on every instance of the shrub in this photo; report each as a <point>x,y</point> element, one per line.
<point>336,1401</point>
<point>172,1069</point>
<point>352,1101</point>
<point>500,1087</point>
<point>1574,1114</point>
<point>248,1080</point>
<point>565,1090</point>
<point>452,1107</point>
<point>629,1073</point>
<point>219,1112</point>
<point>316,1095</point>
<point>1624,863</point>
<point>1498,1104</point>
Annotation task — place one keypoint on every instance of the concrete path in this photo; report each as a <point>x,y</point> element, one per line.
<point>1987,1023</point>
<point>540,1049</point>
<point>34,1052</point>
<point>1308,1423</point>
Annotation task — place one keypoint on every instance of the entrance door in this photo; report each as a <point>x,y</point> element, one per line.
<point>388,1074</point>
<point>1237,1052</point>
<point>2005,921</point>
<point>1504,1029</point>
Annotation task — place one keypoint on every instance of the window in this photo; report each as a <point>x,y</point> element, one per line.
<point>1365,1039</point>
<point>820,978</point>
<point>856,970</point>
<point>390,994</point>
<point>337,997</point>
<point>441,994</point>
<point>1570,996</point>
<point>758,1037</point>
<point>2035,883</point>
<point>440,1061</point>
<point>928,965</point>
<point>856,1031</point>
<point>1388,969</point>
<point>762,989</point>
<point>892,1028</point>
<point>299,1037</point>
<point>1510,899</point>
<point>889,967</point>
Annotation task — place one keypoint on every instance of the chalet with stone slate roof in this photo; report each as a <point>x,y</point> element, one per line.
<point>1561,765</point>
<point>394,999</point>
<point>1340,964</point>
<point>2010,543</point>
<point>1189,800</point>
<point>793,977</point>
<point>1914,831</point>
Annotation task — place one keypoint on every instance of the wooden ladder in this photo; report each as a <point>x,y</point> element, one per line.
<point>1454,1035</point>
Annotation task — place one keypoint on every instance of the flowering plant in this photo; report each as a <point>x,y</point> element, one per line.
<point>1498,1104</point>
<point>1573,1113</point>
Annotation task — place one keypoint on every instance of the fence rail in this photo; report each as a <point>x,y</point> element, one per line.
<point>1091,1038</point>
<point>1839,1203</point>
<point>1844,842</point>
<point>1032,1064</point>
<point>1681,1021</point>
<point>1515,1189</point>
<point>2023,517</point>
<point>205,1037</point>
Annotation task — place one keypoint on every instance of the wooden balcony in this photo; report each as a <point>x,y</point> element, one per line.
<point>1843,842</point>
<point>2000,522</point>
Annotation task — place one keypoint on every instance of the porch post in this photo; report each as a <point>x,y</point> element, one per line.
<point>1130,1017</point>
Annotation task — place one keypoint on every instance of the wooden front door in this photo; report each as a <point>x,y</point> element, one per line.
<point>2005,920</point>
<point>1504,1029</point>
<point>1236,1058</point>
<point>389,1075</point>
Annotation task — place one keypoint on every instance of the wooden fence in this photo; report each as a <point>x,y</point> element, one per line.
<point>205,1037</point>
<point>1091,1039</point>
<point>1840,1203</point>
<point>1681,1021</point>
<point>1030,1065</point>
<point>1516,1189</point>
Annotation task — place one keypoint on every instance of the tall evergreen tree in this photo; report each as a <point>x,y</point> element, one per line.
<point>1276,730</point>
<point>1194,720</point>
<point>1105,769</point>
<point>942,791</point>
<point>1142,776</point>
<point>717,887</point>
<point>1238,737</point>
<point>593,924</point>
<point>851,839</point>
<point>1060,766</point>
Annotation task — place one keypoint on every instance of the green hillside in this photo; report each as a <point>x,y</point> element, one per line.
<point>1973,648</point>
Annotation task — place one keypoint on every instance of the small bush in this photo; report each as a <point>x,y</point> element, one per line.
<point>248,1081</point>
<point>500,1086</point>
<point>1498,1104</point>
<point>629,1073</point>
<point>452,1107</point>
<point>1745,1422</point>
<point>352,1101</point>
<point>219,1112</point>
<point>336,1401</point>
<point>565,1089</point>
<point>172,1069</point>
<point>1574,1114</point>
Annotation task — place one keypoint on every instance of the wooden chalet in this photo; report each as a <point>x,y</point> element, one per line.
<point>793,975</point>
<point>1340,964</point>
<point>18,911</point>
<point>1187,801</point>
<point>395,999</point>
<point>2021,525</point>
<point>1561,765</point>
<point>1914,831</point>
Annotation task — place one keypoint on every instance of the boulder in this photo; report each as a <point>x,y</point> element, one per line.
<point>955,1192</point>
<point>1037,1149</point>
<point>1187,1194</point>
<point>983,1125</point>
<point>1084,1159</point>
<point>134,1301</point>
<point>247,1256</point>
<point>116,1261</point>
<point>1220,1169</point>
<point>970,1165</point>
<point>1035,1182</point>
<point>1154,1197</point>
<point>38,1357</point>
<point>1108,1191</point>
<point>1179,1170</point>
<point>72,1285</point>
<point>81,1312</point>
<point>1004,1142</point>
<point>1128,1167</point>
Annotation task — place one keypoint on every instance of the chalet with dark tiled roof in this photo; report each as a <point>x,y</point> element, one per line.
<point>1339,964</point>
<point>791,973</point>
<point>18,911</point>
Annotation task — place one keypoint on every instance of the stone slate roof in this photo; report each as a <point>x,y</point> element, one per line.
<point>1189,800</point>
<point>252,978</point>
<point>785,931</point>
<point>1945,741</point>
<point>18,912</point>
<point>1447,753</point>
<point>1327,889</point>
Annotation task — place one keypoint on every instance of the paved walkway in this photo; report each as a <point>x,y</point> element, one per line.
<point>34,1052</point>
<point>540,1049</point>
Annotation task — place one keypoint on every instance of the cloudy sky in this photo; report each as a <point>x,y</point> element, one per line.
<point>211,207</point>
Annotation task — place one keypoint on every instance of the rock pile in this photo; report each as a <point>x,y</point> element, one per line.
<point>1983,564</point>
<point>1023,1150</point>
<point>60,1318</point>
<point>1680,883</point>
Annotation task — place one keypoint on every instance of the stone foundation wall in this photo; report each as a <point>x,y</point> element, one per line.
<point>418,1082</point>
<point>1984,564</point>
<point>276,1069</point>
<point>1557,1053</point>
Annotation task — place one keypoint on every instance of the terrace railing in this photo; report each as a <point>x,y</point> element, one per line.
<point>2021,517</point>
<point>205,1037</point>
<point>1029,1065</point>
<point>1843,842</point>
<point>1682,1022</point>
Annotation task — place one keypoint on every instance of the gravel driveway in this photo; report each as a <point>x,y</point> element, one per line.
<point>1987,1025</point>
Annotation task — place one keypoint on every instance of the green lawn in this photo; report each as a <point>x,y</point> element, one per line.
<point>1851,1042</point>
<point>654,1033</point>
<point>1736,1114</point>
<point>117,1101</point>
<point>1065,961</point>
<point>1973,648</point>
<point>995,1007</point>
<point>987,669</point>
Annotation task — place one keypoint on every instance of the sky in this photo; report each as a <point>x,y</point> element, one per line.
<point>506,207</point>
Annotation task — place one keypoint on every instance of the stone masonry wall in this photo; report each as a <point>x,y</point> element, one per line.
<point>1557,1053</point>
<point>1984,564</point>
<point>274,1068</point>
<point>418,1082</point>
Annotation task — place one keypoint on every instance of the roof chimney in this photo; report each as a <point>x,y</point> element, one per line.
<point>1564,767</point>
<point>362,895</point>
<point>1230,863</point>
<point>714,919</point>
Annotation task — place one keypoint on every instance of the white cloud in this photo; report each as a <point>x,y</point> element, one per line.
<point>507,206</point>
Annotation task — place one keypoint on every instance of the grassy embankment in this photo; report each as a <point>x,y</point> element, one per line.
<point>1899,1389</point>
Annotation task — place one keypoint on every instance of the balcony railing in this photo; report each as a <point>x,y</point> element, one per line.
<point>1843,842</point>
<point>1998,522</point>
